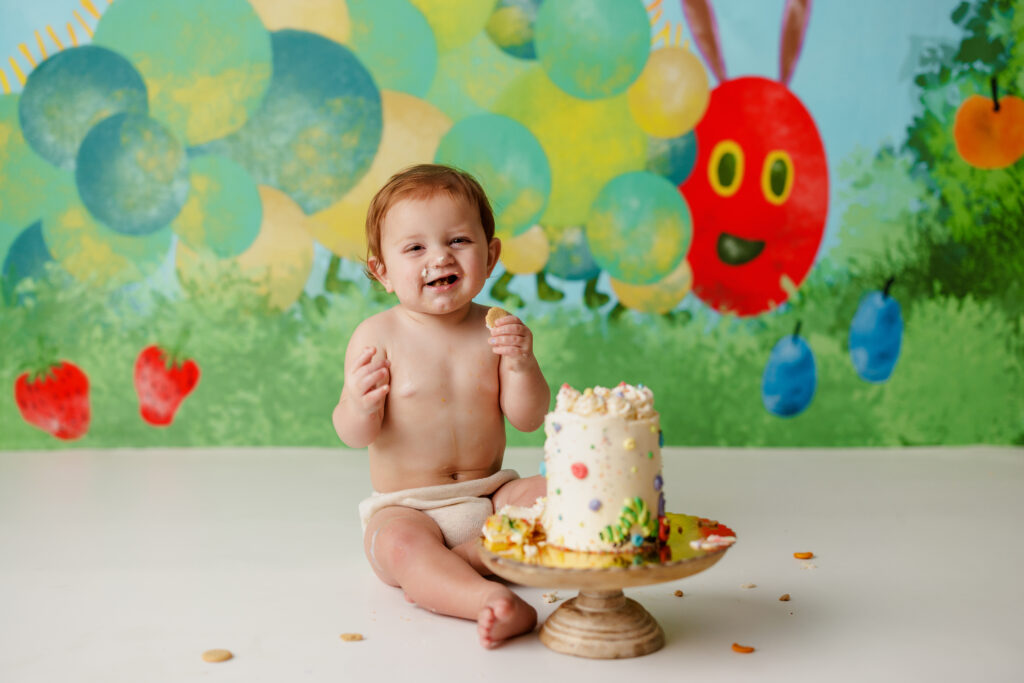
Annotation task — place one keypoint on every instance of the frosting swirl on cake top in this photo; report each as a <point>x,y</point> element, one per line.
<point>625,400</point>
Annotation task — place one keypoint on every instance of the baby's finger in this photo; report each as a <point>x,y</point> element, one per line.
<point>514,327</point>
<point>507,340</point>
<point>365,357</point>
<point>375,398</point>
<point>509,351</point>
<point>374,379</point>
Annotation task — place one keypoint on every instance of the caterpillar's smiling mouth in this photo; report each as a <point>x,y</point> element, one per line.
<point>442,281</point>
<point>736,251</point>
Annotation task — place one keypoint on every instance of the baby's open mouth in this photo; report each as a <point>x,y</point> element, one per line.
<point>441,281</point>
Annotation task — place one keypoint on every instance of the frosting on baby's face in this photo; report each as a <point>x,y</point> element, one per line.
<point>625,400</point>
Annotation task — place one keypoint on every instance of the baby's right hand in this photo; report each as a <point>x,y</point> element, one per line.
<point>370,380</point>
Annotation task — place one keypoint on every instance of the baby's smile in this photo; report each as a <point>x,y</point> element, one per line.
<point>435,277</point>
<point>443,281</point>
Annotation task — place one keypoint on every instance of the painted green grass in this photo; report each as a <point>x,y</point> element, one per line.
<point>272,379</point>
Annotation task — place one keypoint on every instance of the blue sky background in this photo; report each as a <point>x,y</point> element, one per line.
<point>854,74</point>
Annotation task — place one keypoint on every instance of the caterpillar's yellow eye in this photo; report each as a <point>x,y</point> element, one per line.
<point>777,177</point>
<point>725,168</point>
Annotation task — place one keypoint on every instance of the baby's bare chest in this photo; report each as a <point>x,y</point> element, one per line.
<point>443,374</point>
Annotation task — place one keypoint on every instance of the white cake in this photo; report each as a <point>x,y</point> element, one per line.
<point>602,460</point>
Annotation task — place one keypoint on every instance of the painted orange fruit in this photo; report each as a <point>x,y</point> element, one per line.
<point>988,135</point>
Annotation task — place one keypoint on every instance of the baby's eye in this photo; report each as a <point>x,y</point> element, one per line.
<point>414,247</point>
<point>460,240</point>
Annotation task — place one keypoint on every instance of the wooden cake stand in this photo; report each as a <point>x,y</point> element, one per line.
<point>601,622</point>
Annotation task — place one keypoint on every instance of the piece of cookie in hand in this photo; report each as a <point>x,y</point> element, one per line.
<point>494,314</point>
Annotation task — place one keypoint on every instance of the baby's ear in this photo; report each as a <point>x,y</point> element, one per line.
<point>378,270</point>
<point>493,253</point>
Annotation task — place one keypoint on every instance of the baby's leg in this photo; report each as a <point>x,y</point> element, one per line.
<point>524,492</point>
<point>406,549</point>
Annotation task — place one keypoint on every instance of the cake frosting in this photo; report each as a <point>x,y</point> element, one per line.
<point>602,460</point>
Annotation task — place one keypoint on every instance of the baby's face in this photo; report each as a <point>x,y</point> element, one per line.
<point>435,255</point>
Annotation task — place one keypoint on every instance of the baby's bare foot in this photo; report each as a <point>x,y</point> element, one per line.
<point>504,615</point>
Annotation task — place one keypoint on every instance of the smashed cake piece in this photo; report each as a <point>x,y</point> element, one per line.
<point>515,527</point>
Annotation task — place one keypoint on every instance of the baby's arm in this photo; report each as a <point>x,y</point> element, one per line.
<point>357,417</point>
<point>524,394</point>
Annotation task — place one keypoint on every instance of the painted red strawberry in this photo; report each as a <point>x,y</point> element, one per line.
<point>162,381</point>
<point>55,399</point>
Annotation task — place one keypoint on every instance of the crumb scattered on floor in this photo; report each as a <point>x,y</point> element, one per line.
<point>749,585</point>
<point>808,565</point>
<point>217,656</point>
<point>551,597</point>
<point>351,637</point>
<point>678,594</point>
<point>784,597</point>
<point>742,649</point>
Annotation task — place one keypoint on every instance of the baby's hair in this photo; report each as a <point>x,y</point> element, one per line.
<point>422,182</point>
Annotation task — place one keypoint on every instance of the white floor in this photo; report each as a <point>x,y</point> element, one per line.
<point>127,565</point>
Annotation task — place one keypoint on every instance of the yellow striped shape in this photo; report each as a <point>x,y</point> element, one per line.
<point>4,83</point>
<point>53,36</point>
<point>90,8</point>
<point>28,54</point>
<point>17,70</point>
<point>71,32</point>
<point>42,46</point>
<point>82,22</point>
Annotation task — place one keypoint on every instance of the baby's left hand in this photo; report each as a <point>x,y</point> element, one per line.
<point>512,339</point>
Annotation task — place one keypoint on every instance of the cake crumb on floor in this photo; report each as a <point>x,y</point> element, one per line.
<point>214,656</point>
<point>351,637</point>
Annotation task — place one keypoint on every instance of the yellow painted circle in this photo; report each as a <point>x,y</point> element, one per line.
<point>671,94</point>
<point>777,177</point>
<point>278,262</point>
<point>565,126</point>
<point>455,22</point>
<point>660,297</point>
<point>329,18</point>
<point>725,168</point>
<point>527,253</point>
<point>413,128</point>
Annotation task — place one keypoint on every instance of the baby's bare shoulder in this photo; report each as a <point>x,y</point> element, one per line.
<point>375,331</point>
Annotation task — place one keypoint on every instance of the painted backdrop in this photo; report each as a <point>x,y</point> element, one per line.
<point>798,223</point>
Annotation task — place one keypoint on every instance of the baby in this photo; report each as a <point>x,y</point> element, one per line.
<point>428,387</point>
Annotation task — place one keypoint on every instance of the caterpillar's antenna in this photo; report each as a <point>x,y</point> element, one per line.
<point>795,16</point>
<point>704,28</point>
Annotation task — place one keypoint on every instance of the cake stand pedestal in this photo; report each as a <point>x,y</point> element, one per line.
<point>601,622</point>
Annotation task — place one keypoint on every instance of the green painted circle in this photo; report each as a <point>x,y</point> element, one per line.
<point>223,211</point>
<point>395,42</point>
<point>593,48</point>
<point>508,162</point>
<point>25,177</point>
<point>207,65</point>
<point>639,228</point>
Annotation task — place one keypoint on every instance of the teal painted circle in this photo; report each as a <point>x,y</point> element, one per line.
<point>71,92</point>
<point>25,177</point>
<point>207,65</point>
<point>395,42</point>
<point>223,211</point>
<point>509,163</point>
<point>512,26</point>
<point>672,158</point>
<point>132,174</point>
<point>319,127</point>
<point>639,228</point>
<point>91,251</point>
<point>593,49</point>
<point>26,258</point>
<point>570,257</point>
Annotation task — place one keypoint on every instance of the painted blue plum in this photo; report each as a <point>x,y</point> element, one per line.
<point>876,335</point>
<point>790,377</point>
